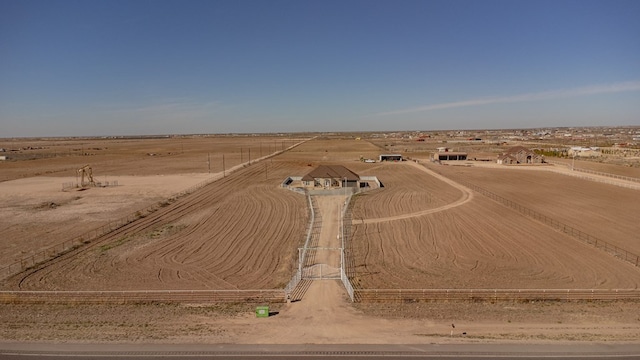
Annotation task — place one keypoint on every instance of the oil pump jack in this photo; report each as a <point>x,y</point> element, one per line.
<point>87,172</point>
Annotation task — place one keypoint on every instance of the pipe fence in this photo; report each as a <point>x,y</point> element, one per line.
<point>344,261</point>
<point>302,253</point>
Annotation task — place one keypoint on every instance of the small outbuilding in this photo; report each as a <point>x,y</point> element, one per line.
<point>450,155</point>
<point>390,157</point>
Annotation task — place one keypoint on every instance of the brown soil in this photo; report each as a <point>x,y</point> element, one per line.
<point>243,231</point>
<point>324,316</point>
<point>602,210</point>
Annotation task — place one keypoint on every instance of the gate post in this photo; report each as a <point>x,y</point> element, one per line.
<point>300,262</point>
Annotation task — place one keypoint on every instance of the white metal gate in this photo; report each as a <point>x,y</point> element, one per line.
<point>320,263</point>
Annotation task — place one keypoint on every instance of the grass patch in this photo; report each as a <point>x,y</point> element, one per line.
<point>109,246</point>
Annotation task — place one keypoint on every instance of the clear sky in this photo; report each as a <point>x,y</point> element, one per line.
<point>131,67</point>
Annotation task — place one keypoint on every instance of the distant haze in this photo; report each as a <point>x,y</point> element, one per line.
<point>76,68</point>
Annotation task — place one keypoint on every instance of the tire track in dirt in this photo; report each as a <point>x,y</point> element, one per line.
<point>479,245</point>
<point>164,263</point>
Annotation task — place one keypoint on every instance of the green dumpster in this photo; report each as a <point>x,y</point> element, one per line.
<point>262,311</point>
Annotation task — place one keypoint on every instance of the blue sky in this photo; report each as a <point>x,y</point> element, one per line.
<point>115,67</point>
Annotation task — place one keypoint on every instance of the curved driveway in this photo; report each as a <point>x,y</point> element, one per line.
<point>467,195</point>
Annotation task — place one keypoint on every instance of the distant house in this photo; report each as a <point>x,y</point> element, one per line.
<point>520,155</point>
<point>331,176</point>
<point>584,151</point>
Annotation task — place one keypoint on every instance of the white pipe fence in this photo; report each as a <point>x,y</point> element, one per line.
<point>302,253</point>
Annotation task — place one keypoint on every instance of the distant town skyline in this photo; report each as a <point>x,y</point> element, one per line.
<point>101,68</point>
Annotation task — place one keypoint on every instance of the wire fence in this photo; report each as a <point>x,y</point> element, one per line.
<point>62,248</point>
<point>66,246</point>
<point>414,295</point>
<point>599,173</point>
<point>598,243</point>
<point>144,296</point>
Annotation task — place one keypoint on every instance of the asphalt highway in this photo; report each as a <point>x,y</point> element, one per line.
<point>39,351</point>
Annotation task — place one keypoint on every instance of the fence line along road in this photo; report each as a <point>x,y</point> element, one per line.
<point>278,296</point>
<point>143,296</point>
<point>411,295</point>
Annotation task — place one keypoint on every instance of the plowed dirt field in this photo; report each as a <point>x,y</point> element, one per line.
<point>422,230</point>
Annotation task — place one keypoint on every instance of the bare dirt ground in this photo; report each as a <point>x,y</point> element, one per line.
<point>605,211</point>
<point>411,194</point>
<point>482,244</point>
<point>202,241</point>
<point>243,232</point>
<point>323,316</point>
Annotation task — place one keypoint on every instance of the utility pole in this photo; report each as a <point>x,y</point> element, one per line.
<point>209,162</point>
<point>223,168</point>
<point>249,156</point>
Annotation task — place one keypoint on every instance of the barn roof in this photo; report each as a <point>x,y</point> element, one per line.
<point>331,171</point>
<point>517,149</point>
<point>507,156</point>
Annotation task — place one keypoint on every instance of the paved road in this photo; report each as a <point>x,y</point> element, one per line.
<point>23,351</point>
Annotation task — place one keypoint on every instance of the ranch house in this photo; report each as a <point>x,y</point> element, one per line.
<point>580,151</point>
<point>520,155</point>
<point>331,176</point>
